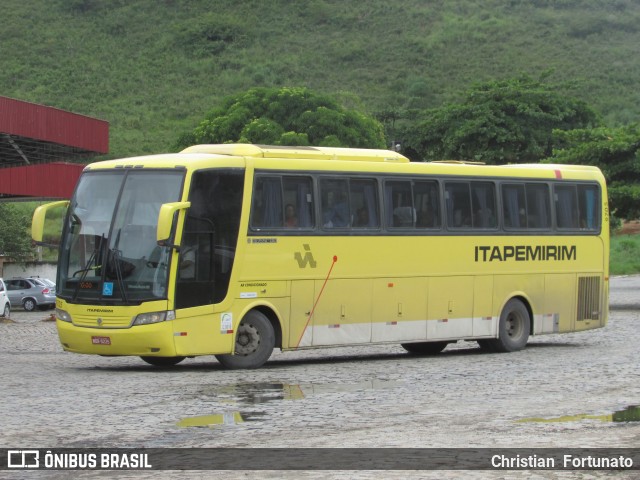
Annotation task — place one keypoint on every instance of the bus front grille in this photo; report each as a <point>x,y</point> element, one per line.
<point>588,298</point>
<point>99,321</point>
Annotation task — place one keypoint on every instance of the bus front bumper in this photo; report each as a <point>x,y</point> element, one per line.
<point>141,340</point>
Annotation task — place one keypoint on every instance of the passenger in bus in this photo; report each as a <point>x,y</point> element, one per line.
<point>362,218</point>
<point>484,218</point>
<point>338,215</point>
<point>290,219</point>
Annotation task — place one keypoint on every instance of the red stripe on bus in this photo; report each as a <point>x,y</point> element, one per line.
<point>335,259</point>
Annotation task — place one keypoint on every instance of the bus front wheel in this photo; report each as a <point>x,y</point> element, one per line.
<point>424,348</point>
<point>514,327</point>
<point>163,361</point>
<point>255,341</point>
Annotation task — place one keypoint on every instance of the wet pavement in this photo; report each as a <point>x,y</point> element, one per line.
<point>564,391</point>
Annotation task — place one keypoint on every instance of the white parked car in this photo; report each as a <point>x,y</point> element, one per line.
<point>5,304</point>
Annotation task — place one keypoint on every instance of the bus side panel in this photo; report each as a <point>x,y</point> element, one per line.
<point>198,331</point>
<point>299,326</point>
<point>343,313</point>
<point>485,323</point>
<point>560,300</point>
<point>450,308</point>
<point>399,309</point>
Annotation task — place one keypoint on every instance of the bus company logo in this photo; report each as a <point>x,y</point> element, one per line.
<point>23,459</point>
<point>525,253</point>
<point>307,259</point>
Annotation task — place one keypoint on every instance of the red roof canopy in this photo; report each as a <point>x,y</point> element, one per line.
<point>51,180</point>
<point>33,136</point>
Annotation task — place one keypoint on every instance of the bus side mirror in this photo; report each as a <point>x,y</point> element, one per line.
<point>39,216</point>
<point>165,222</point>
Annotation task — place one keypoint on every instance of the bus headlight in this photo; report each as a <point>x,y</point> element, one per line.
<point>63,315</point>
<point>154,317</point>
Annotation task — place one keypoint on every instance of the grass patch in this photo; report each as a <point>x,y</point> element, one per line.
<point>625,255</point>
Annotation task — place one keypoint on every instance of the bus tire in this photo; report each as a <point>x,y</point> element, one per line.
<point>424,348</point>
<point>163,361</point>
<point>255,341</point>
<point>513,331</point>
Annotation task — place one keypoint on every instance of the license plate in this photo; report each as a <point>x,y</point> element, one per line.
<point>101,340</point>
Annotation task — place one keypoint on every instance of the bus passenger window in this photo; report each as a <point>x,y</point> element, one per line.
<point>514,206</point>
<point>334,203</point>
<point>588,202</point>
<point>267,208</point>
<point>458,198</point>
<point>483,198</point>
<point>399,204</point>
<point>426,201</point>
<point>364,203</point>
<point>538,213</point>
<point>566,206</point>
<point>298,200</point>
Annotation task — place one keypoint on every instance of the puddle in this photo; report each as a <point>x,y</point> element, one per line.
<point>260,393</point>
<point>257,393</point>
<point>629,414</point>
<point>219,419</point>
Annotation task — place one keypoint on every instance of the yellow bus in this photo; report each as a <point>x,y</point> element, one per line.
<point>234,250</point>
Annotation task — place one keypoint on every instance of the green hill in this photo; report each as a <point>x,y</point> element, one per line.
<point>152,68</point>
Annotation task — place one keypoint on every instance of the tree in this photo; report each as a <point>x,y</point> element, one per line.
<point>285,116</point>
<point>15,238</point>
<point>616,151</point>
<point>506,121</point>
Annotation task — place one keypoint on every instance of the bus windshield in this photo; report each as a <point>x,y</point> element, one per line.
<point>109,252</point>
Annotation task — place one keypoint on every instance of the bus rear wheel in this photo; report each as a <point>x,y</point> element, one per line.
<point>424,348</point>
<point>163,361</point>
<point>513,331</point>
<point>255,341</point>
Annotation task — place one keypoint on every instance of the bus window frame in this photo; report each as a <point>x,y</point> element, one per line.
<point>283,229</point>
<point>443,229</point>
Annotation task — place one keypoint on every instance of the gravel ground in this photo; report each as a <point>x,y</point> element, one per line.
<point>558,392</point>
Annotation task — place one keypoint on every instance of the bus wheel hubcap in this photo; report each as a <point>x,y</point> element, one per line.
<point>514,325</point>
<point>248,340</point>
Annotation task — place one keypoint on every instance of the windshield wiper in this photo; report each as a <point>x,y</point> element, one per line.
<point>115,262</point>
<point>87,268</point>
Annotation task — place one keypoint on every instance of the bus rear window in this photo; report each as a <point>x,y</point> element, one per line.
<point>577,207</point>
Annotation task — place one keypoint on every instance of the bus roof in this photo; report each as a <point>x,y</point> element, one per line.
<point>303,153</point>
<point>354,159</point>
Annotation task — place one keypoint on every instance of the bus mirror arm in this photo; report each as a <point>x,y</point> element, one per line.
<point>166,226</point>
<point>166,243</point>
<point>37,223</point>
